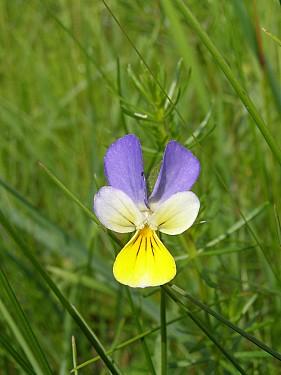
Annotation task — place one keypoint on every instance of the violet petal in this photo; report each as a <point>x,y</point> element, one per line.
<point>123,166</point>
<point>179,171</point>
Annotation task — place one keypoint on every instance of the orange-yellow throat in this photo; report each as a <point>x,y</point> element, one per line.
<point>144,261</point>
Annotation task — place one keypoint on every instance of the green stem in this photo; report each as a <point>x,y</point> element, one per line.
<point>74,354</point>
<point>139,325</point>
<point>163,333</point>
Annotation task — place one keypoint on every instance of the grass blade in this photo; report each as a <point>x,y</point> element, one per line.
<point>156,80</point>
<point>64,302</point>
<point>244,97</point>
<point>252,31</point>
<point>84,50</point>
<point>70,195</point>
<point>232,229</point>
<point>23,342</point>
<point>206,331</point>
<point>172,289</point>
<point>21,361</point>
<point>272,36</point>
<point>238,225</point>
<point>189,57</point>
<point>22,328</point>
<point>47,232</point>
<point>127,342</point>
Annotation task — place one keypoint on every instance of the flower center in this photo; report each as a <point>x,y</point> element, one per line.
<point>146,222</point>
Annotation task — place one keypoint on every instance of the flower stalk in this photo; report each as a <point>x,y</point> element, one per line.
<point>163,333</point>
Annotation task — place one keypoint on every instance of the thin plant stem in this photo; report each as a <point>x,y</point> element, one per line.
<point>139,325</point>
<point>74,355</point>
<point>163,333</point>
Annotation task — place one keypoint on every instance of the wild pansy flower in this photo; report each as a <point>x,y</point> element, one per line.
<point>124,207</point>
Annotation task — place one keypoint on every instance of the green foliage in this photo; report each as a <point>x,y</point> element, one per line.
<point>76,75</point>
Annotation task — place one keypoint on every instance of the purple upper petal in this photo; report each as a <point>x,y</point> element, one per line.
<point>123,166</point>
<point>179,170</point>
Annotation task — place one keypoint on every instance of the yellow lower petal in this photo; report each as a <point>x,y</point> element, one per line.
<point>144,261</point>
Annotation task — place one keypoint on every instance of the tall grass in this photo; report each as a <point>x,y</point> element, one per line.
<point>76,75</point>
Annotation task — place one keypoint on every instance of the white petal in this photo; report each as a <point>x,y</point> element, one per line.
<point>176,214</point>
<point>116,210</point>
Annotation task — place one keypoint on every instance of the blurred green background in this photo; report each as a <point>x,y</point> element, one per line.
<point>73,80</point>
